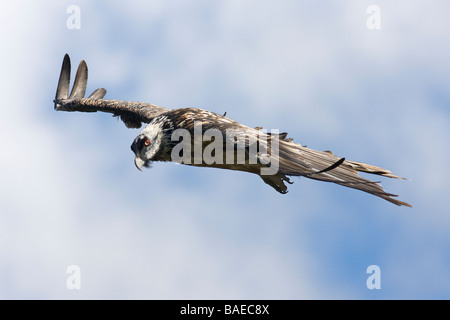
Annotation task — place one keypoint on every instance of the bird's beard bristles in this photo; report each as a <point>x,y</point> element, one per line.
<point>148,164</point>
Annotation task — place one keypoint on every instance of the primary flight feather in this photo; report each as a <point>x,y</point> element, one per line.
<point>223,139</point>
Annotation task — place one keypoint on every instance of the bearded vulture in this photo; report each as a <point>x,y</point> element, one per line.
<point>230,145</point>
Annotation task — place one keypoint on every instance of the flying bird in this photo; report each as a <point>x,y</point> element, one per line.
<point>203,138</point>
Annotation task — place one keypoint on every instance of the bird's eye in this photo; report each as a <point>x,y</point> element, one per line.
<point>147,142</point>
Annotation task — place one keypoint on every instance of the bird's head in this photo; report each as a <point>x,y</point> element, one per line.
<point>147,145</point>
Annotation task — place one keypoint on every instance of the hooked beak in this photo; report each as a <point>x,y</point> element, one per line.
<point>139,163</point>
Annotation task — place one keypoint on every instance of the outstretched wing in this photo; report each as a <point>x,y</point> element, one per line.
<point>133,114</point>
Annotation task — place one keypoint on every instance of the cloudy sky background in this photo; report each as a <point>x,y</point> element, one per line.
<point>70,194</point>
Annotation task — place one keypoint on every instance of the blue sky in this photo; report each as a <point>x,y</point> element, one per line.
<point>70,194</point>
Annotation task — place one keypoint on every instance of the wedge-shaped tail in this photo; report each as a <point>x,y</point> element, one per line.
<point>296,160</point>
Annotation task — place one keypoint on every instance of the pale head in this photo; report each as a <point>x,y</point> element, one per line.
<point>147,145</point>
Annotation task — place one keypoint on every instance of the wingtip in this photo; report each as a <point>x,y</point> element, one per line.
<point>79,86</point>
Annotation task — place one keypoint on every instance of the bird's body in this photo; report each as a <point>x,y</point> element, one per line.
<point>203,138</point>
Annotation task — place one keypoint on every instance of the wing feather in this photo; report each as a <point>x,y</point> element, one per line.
<point>98,94</point>
<point>62,92</point>
<point>79,86</point>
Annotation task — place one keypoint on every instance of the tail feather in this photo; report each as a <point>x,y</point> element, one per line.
<point>295,160</point>
<point>363,167</point>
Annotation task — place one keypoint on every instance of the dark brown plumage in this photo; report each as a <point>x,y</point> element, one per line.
<point>156,142</point>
